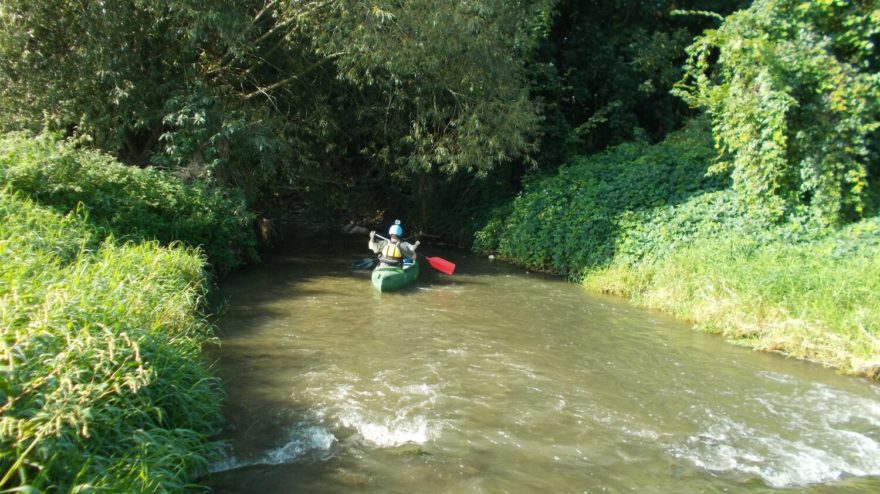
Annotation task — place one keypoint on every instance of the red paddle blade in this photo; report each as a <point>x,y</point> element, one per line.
<point>441,265</point>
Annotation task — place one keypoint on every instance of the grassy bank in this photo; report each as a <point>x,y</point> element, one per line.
<point>817,300</point>
<point>101,384</point>
<point>646,223</point>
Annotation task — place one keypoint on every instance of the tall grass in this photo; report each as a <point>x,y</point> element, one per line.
<point>101,386</point>
<point>817,300</point>
<point>102,278</point>
<point>129,202</point>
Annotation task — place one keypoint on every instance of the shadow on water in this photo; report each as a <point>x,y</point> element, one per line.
<point>297,262</point>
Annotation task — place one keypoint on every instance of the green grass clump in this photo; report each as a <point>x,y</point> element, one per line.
<point>813,299</point>
<point>129,202</point>
<point>101,384</point>
<point>644,222</point>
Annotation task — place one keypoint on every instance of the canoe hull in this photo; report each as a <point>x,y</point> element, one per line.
<point>387,279</point>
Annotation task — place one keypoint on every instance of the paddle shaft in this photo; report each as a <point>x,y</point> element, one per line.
<point>383,238</point>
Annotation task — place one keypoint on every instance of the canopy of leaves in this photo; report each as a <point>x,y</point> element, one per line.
<point>794,92</point>
<point>264,95</point>
<point>441,83</point>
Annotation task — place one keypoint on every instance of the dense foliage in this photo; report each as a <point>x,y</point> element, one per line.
<point>381,114</point>
<point>207,89</point>
<point>573,219</point>
<point>605,69</point>
<point>426,108</point>
<point>129,203</point>
<point>392,112</point>
<point>101,383</point>
<point>262,96</point>
<point>600,73</point>
<point>793,89</point>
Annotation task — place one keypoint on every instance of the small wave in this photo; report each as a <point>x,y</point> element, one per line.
<point>302,441</point>
<point>812,450</point>
<point>390,433</point>
<point>383,413</point>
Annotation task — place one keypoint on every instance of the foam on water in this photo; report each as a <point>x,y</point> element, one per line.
<point>302,440</point>
<point>390,432</point>
<point>842,442</point>
<point>383,414</point>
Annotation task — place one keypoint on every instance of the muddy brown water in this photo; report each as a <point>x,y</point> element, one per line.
<point>499,380</point>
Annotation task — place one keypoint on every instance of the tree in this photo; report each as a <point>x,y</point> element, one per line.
<point>296,103</point>
<point>441,83</point>
<point>217,92</point>
<point>794,94</point>
<point>605,69</point>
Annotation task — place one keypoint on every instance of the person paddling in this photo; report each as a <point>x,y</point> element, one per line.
<point>393,252</point>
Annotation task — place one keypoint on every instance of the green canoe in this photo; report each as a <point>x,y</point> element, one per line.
<point>388,278</point>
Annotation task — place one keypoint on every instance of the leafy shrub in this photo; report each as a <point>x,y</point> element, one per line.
<point>574,219</point>
<point>101,383</point>
<point>794,94</point>
<point>129,202</point>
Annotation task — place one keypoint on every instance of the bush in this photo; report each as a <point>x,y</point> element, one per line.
<point>127,202</point>
<point>576,218</point>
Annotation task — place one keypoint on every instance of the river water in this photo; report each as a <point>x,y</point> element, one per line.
<point>499,380</point>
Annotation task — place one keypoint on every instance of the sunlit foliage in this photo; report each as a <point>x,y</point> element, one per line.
<point>581,216</point>
<point>128,202</point>
<point>793,89</point>
<point>101,384</point>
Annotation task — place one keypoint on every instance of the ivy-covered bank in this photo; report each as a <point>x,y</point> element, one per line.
<point>101,296</point>
<point>646,222</point>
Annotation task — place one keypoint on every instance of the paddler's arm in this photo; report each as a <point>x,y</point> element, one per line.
<point>410,250</point>
<point>373,244</point>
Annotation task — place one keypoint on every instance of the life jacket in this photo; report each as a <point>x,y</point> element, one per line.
<point>391,254</point>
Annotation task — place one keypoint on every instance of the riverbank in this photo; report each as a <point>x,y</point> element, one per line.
<point>646,222</point>
<point>814,300</point>
<point>102,383</point>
